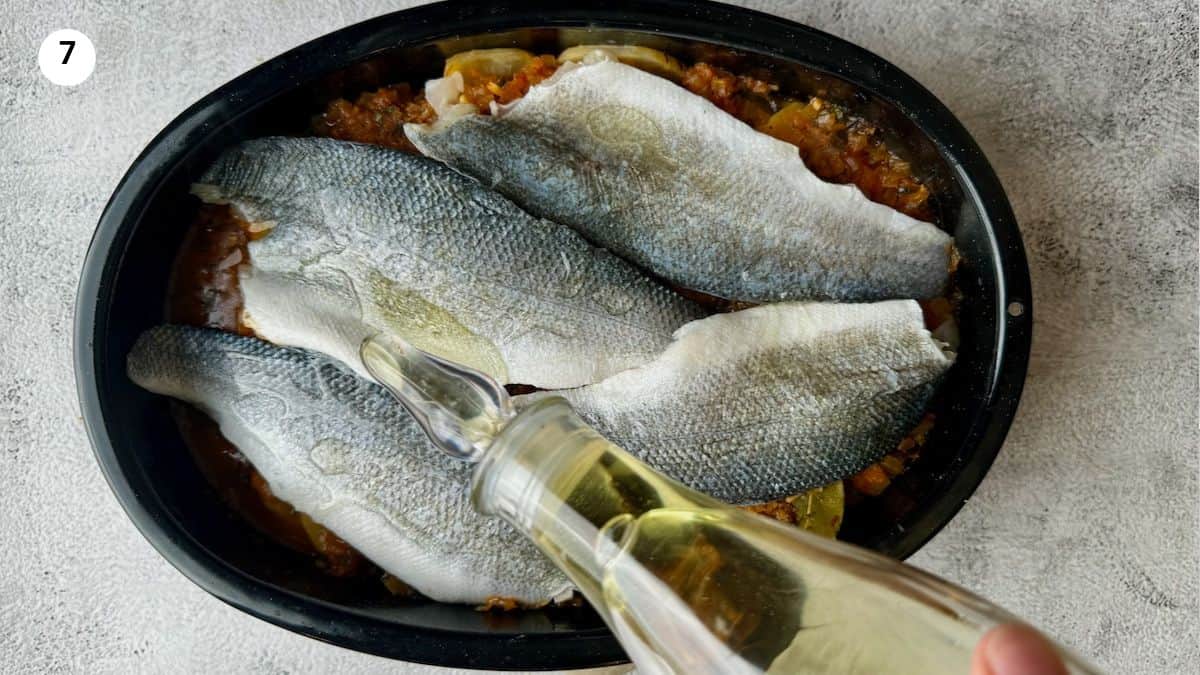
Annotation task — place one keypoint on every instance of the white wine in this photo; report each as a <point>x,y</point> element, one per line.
<point>691,585</point>
<point>768,605</point>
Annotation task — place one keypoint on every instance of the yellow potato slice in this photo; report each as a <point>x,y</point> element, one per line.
<point>821,510</point>
<point>642,58</point>
<point>500,63</point>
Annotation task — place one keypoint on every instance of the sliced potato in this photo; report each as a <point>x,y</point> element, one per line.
<point>569,37</point>
<point>523,36</point>
<point>499,63</point>
<point>642,58</point>
<point>821,510</point>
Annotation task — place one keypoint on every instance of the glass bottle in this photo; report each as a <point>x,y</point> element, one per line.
<point>687,584</point>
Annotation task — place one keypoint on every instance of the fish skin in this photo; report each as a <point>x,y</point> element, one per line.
<point>368,239</point>
<point>771,401</point>
<point>667,180</point>
<point>340,449</point>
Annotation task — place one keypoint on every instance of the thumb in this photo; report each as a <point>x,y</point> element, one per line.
<point>1015,650</point>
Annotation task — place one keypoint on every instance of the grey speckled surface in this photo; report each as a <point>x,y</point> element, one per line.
<point>1087,525</point>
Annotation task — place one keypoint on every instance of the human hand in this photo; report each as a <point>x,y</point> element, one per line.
<point>1014,649</point>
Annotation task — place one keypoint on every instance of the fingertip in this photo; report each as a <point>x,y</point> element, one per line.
<point>1015,650</point>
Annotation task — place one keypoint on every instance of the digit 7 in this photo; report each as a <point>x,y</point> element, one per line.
<point>70,45</point>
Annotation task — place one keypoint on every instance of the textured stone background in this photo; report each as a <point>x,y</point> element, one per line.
<point>1087,525</point>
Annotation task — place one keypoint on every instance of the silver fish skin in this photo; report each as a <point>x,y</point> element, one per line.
<point>665,179</point>
<point>340,449</point>
<point>366,239</point>
<point>771,401</point>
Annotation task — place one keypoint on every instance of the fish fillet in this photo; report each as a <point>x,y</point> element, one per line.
<point>771,401</point>
<point>342,450</point>
<point>665,179</point>
<point>366,239</point>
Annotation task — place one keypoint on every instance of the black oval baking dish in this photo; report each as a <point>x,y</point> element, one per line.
<point>122,293</point>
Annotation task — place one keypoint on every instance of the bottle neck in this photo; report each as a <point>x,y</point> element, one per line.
<point>532,476</point>
<point>569,489</point>
<point>529,453</point>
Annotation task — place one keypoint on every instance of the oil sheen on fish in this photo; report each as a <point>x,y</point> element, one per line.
<point>365,239</point>
<point>771,401</point>
<point>667,180</point>
<point>342,450</point>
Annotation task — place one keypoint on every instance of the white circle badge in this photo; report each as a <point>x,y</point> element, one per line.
<point>67,57</point>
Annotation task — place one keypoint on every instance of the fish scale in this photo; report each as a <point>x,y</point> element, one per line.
<point>667,180</point>
<point>369,239</point>
<point>340,449</point>
<point>771,401</point>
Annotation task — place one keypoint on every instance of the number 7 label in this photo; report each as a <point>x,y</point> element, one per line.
<point>67,57</point>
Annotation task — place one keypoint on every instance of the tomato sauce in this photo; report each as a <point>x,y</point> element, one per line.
<point>203,291</point>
